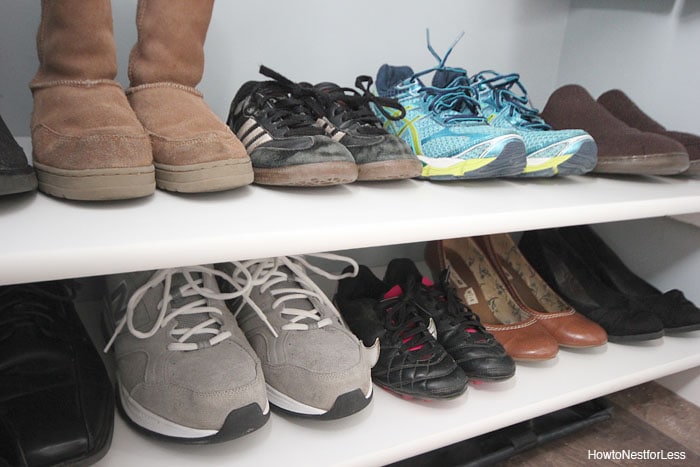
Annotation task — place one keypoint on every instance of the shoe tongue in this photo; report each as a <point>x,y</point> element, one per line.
<point>401,271</point>
<point>327,87</point>
<point>178,301</point>
<point>297,303</point>
<point>270,91</point>
<point>444,78</point>
<point>333,91</point>
<point>389,76</point>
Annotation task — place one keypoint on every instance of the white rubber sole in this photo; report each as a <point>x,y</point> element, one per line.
<point>289,404</point>
<point>157,424</point>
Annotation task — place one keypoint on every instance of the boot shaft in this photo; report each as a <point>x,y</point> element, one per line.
<point>75,41</point>
<point>170,45</point>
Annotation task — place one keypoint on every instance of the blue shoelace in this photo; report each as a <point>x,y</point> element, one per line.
<point>510,93</point>
<point>458,96</point>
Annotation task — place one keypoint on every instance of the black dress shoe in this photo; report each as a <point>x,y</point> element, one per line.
<point>676,312</point>
<point>571,277</point>
<point>56,399</point>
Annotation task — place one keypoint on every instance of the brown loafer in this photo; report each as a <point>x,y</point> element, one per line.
<point>622,107</point>
<point>483,291</point>
<point>621,148</point>
<point>533,295</point>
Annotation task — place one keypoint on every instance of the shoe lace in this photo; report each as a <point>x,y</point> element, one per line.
<point>294,106</point>
<point>456,102</point>
<point>195,320</point>
<point>510,93</point>
<point>406,325</point>
<point>268,273</point>
<point>445,298</point>
<point>355,106</point>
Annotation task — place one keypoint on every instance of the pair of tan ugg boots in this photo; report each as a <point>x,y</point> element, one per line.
<point>93,141</point>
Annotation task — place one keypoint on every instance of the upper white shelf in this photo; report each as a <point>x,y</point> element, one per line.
<point>44,238</point>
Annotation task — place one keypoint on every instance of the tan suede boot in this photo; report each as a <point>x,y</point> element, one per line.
<point>87,142</point>
<point>193,150</point>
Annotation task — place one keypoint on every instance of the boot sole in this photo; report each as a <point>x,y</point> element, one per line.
<point>319,174</point>
<point>646,164</point>
<point>204,177</point>
<point>96,184</point>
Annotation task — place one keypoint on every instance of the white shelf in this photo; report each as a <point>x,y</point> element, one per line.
<point>391,428</point>
<point>45,238</point>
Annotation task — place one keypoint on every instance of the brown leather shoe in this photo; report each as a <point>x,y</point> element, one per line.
<point>622,107</point>
<point>533,295</point>
<point>621,148</point>
<point>483,291</point>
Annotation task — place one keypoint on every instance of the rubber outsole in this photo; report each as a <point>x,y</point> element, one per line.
<point>582,162</point>
<point>682,329</point>
<point>204,177</point>
<point>96,184</point>
<point>636,337</point>
<point>645,164</point>
<point>22,182</point>
<point>344,405</point>
<point>316,174</point>
<point>239,422</point>
<point>395,169</point>
<point>509,163</point>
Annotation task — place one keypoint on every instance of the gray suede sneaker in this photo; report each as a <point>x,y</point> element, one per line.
<point>185,371</point>
<point>276,121</point>
<point>313,365</point>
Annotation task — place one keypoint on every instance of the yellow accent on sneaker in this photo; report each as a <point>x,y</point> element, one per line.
<point>458,169</point>
<point>551,163</point>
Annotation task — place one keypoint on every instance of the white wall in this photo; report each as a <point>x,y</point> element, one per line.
<point>649,49</point>
<point>318,40</point>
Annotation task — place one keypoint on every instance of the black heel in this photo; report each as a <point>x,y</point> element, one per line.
<point>569,275</point>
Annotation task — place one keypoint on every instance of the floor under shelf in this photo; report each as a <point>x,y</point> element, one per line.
<point>646,417</point>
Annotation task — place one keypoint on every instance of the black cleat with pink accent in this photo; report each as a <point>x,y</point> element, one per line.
<point>412,363</point>
<point>459,330</point>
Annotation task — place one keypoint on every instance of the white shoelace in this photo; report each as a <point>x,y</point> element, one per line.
<point>266,273</point>
<point>192,287</point>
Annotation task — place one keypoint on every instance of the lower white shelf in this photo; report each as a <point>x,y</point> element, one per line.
<point>391,428</point>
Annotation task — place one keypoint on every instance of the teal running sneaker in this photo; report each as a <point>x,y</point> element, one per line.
<point>444,126</point>
<point>505,104</point>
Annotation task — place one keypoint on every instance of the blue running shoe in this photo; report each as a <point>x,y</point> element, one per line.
<point>504,103</point>
<point>444,125</point>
